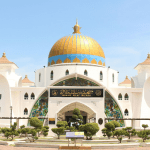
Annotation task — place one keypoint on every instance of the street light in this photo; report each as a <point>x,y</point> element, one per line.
<point>10,116</point>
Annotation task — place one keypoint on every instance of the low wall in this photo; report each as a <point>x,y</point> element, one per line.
<point>3,143</point>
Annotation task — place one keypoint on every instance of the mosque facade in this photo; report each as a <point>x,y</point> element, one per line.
<point>75,77</point>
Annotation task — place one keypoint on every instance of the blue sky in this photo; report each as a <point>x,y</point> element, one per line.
<point>28,30</point>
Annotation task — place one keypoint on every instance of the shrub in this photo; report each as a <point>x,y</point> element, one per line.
<point>144,126</point>
<point>58,131</point>
<point>77,118</point>
<point>129,131</point>
<point>89,129</point>
<point>143,134</point>
<point>62,124</point>
<point>119,134</point>
<point>45,130</point>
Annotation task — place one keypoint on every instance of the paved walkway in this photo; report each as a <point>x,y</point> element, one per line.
<point>29,148</point>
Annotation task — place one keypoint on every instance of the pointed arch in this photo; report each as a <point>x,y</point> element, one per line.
<point>32,95</point>
<point>113,78</point>
<point>126,112</point>
<point>67,72</point>
<point>25,111</point>
<point>85,72</point>
<point>39,77</point>
<point>120,96</point>
<point>101,75</point>
<point>52,75</point>
<point>126,97</point>
<point>26,96</point>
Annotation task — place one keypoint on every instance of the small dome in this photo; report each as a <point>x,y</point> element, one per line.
<point>76,48</point>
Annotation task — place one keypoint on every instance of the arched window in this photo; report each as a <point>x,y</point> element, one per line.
<point>85,72</point>
<point>26,96</point>
<point>101,75</point>
<point>51,75</point>
<point>126,113</point>
<point>32,96</point>
<point>113,78</point>
<point>0,96</point>
<point>120,96</point>
<point>126,97</point>
<point>39,77</point>
<point>25,111</point>
<point>67,72</point>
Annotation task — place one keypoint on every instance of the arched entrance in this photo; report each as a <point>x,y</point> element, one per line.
<point>66,112</point>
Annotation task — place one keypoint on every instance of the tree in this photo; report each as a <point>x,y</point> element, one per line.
<point>36,123</point>
<point>4,130</point>
<point>109,128</point>
<point>119,134</point>
<point>61,126</point>
<point>89,129</point>
<point>129,132</point>
<point>45,130</point>
<point>11,132</point>
<point>144,126</point>
<point>58,131</point>
<point>143,134</point>
<point>77,118</point>
<point>33,132</point>
<point>116,124</point>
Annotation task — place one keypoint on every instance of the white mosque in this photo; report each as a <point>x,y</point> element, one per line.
<point>76,77</point>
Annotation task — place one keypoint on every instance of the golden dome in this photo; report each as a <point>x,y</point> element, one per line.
<point>76,48</point>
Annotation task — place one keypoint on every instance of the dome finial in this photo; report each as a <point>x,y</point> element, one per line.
<point>148,55</point>
<point>4,54</point>
<point>76,21</point>
<point>77,28</point>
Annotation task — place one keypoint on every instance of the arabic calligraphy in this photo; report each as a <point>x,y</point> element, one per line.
<point>76,92</point>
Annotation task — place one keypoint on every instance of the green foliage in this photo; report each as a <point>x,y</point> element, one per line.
<point>115,123</point>
<point>77,118</point>
<point>72,129</point>
<point>129,132</point>
<point>143,134</point>
<point>36,123</point>
<point>89,129</point>
<point>34,137</point>
<point>119,134</point>
<point>110,126</point>
<point>23,126</point>
<point>104,130</point>
<point>10,132</point>
<point>144,126</point>
<point>62,124</point>
<point>45,130</point>
<point>58,131</point>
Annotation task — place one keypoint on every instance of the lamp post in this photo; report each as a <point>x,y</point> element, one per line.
<point>10,116</point>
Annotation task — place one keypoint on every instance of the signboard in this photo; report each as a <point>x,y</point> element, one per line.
<point>75,135</point>
<point>51,120</point>
<point>76,92</point>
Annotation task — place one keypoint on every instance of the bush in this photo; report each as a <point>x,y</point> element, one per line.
<point>58,131</point>
<point>36,123</point>
<point>129,132</point>
<point>143,134</point>
<point>89,129</point>
<point>144,126</point>
<point>119,134</point>
<point>62,124</point>
<point>45,130</point>
<point>110,127</point>
<point>77,118</point>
